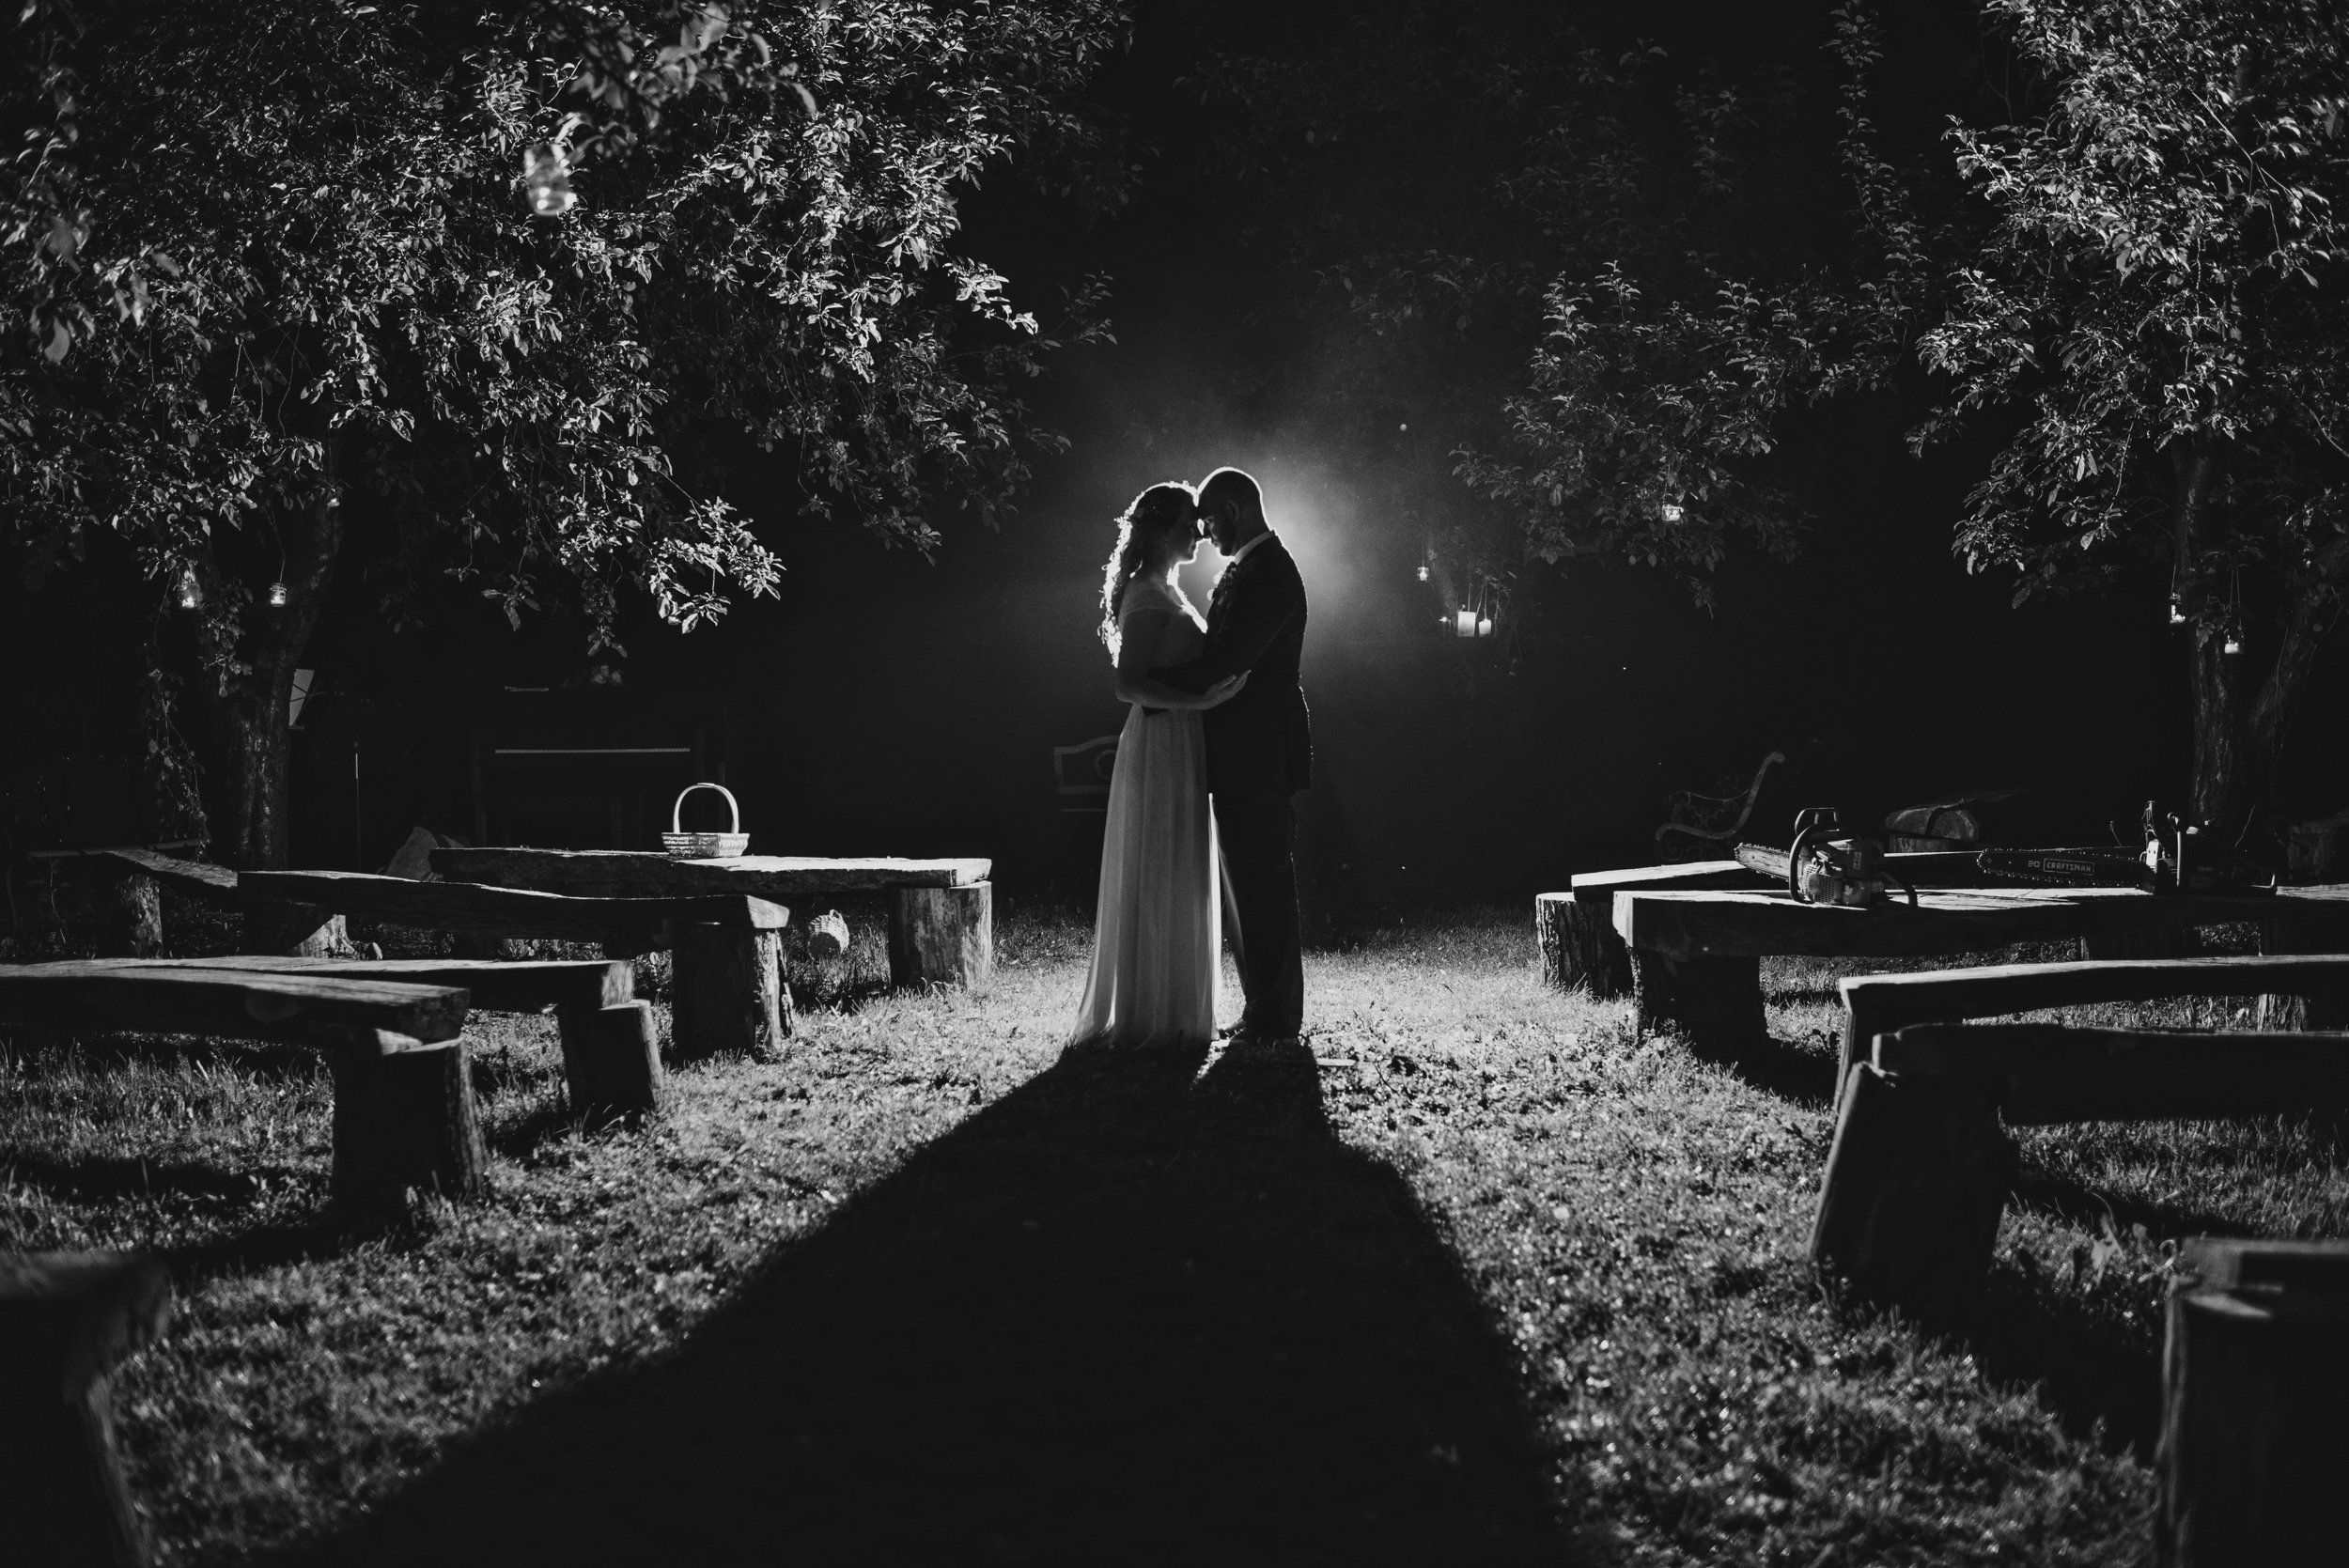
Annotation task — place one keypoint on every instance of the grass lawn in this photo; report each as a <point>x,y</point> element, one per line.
<point>1493,1280</point>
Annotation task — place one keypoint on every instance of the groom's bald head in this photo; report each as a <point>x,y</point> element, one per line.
<point>1232,508</point>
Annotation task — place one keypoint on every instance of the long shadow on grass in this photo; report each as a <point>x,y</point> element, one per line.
<point>2100,1380</point>
<point>1803,1075</point>
<point>1116,1317</point>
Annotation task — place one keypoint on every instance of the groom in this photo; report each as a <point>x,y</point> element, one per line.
<point>1260,748</point>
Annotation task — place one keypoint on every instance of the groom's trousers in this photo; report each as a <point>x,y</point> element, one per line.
<point>1257,830</point>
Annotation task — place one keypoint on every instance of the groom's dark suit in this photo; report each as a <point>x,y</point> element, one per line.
<point>1260,751</point>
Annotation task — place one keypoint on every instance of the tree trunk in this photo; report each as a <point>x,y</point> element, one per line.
<point>248,649</point>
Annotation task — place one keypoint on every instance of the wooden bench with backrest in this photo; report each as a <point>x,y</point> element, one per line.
<point>67,1321</point>
<point>1919,1173</point>
<point>404,1112</point>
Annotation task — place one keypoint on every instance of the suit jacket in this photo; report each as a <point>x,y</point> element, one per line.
<point>1262,738</point>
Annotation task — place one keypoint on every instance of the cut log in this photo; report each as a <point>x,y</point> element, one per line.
<point>1715,1003</point>
<point>725,991</point>
<point>130,918</point>
<point>637,873</point>
<point>192,878</point>
<point>2322,1005</point>
<point>1909,1203</point>
<point>67,1321</point>
<point>405,1127</point>
<point>942,936</point>
<point>611,1059</point>
<point>507,911</point>
<point>1578,944</point>
<point>1727,921</point>
<point>1877,1004</point>
<point>2255,1375</point>
<point>309,1007</point>
<point>827,935</point>
<point>2048,1074</point>
<point>524,985</point>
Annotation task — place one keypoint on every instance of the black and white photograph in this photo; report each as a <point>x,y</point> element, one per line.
<point>1099,782</point>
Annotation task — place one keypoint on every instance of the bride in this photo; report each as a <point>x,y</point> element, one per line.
<point>1158,938</point>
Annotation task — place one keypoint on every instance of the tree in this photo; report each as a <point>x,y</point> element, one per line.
<point>2154,312</point>
<point>281,285</point>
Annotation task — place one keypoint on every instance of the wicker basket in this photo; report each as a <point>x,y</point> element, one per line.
<point>683,846</point>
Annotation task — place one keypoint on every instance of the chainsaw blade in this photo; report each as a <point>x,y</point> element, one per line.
<point>2064,868</point>
<point>1762,860</point>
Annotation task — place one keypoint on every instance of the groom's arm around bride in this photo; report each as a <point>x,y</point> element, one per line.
<point>1259,743</point>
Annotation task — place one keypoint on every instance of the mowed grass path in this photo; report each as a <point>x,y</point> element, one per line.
<point>1494,1282</point>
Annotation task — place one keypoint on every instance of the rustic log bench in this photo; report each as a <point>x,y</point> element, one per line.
<point>942,921</point>
<point>2255,1375</point>
<point>1577,931</point>
<point>404,1112</point>
<point>1919,1173</point>
<point>611,1052</point>
<point>726,946</point>
<point>67,1321</point>
<point>1696,955</point>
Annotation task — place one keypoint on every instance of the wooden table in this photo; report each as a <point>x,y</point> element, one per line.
<point>1695,955</point>
<point>941,913</point>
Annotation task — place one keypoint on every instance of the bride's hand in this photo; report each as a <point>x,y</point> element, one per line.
<point>1224,690</point>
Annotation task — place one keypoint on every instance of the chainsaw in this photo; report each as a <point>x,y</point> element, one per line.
<point>2176,857</point>
<point>1825,869</point>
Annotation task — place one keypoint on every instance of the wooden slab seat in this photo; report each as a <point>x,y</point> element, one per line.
<point>404,1112</point>
<point>726,945</point>
<point>1696,955</point>
<point>67,1321</point>
<point>942,920</point>
<point>1577,928</point>
<point>1916,1181</point>
<point>611,1050</point>
<point>2255,1374</point>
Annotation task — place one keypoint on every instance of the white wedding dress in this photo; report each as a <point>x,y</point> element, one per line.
<point>1158,940</point>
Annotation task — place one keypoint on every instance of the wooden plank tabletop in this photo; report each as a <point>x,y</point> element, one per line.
<point>1925,868</point>
<point>310,1009</point>
<point>1733,924</point>
<point>509,911</point>
<point>639,874</point>
<point>498,985</point>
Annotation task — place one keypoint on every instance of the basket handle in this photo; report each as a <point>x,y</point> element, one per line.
<point>677,812</point>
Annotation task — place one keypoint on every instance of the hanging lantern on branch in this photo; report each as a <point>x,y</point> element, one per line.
<point>277,595</point>
<point>188,591</point>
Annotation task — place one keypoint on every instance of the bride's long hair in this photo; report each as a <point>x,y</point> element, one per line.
<point>1143,523</point>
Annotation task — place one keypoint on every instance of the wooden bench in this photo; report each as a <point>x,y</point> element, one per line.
<point>1918,1176</point>
<point>726,946</point>
<point>67,1321</point>
<point>1577,931</point>
<point>1696,955</point>
<point>404,1112</point>
<point>610,1051</point>
<point>2255,1376</point>
<point>942,921</point>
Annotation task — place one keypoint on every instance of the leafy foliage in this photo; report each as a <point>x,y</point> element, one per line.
<point>2160,280</point>
<point>259,277</point>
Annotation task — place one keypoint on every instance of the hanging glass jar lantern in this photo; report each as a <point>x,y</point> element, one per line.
<point>547,180</point>
<point>1464,624</point>
<point>2233,642</point>
<point>1484,623</point>
<point>1670,511</point>
<point>188,591</point>
<point>277,595</point>
<point>2177,611</point>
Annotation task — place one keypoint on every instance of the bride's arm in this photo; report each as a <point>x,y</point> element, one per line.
<point>1136,639</point>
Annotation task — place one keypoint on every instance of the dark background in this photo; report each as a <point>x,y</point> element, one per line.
<point>886,705</point>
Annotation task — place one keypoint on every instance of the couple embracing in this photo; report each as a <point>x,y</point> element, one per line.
<point>1201,824</point>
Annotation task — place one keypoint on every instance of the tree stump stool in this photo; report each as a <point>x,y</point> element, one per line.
<point>2319,1006</point>
<point>1915,1183</point>
<point>405,1122</point>
<point>942,936</point>
<point>726,996</point>
<point>130,918</point>
<point>2255,1378</point>
<point>1579,947</point>
<point>611,1059</point>
<point>66,1320</point>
